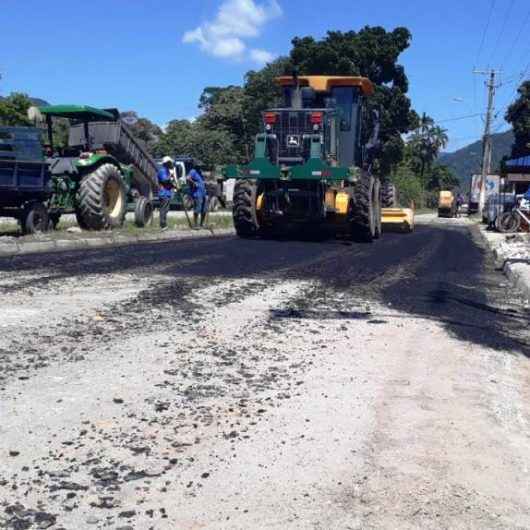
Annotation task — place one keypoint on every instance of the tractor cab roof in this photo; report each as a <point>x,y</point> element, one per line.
<point>324,83</point>
<point>78,112</point>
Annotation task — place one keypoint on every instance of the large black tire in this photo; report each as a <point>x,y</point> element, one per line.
<point>388,195</point>
<point>143,212</point>
<point>244,209</point>
<point>365,210</point>
<point>102,199</point>
<point>34,218</point>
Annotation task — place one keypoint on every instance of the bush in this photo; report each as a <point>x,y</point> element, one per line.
<point>408,186</point>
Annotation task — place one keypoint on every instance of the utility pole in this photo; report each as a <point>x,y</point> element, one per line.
<point>486,139</point>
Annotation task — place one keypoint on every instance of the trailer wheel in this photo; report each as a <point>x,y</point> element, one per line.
<point>102,199</point>
<point>364,211</point>
<point>143,212</point>
<point>244,209</point>
<point>34,218</point>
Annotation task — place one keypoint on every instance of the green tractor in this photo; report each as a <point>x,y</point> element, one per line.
<point>310,168</point>
<point>101,170</point>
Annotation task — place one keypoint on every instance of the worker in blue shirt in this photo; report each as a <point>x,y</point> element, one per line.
<point>166,185</point>
<point>198,194</point>
<point>527,194</point>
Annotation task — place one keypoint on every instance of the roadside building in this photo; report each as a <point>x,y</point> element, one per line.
<point>517,174</point>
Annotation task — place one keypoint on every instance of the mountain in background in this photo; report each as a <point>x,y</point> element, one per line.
<point>467,161</point>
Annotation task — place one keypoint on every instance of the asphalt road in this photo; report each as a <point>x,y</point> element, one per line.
<point>226,383</point>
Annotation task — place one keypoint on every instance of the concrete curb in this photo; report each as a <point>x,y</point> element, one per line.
<point>13,249</point>
<point>516,271</point>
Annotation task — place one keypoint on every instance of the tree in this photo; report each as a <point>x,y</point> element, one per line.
<point>518,114</point>
<point>262,92</point>
<point>425,144</point>
<point>372,52</point>
<point>14,110</point>
<point>177,139</point>
<point>224,113</point>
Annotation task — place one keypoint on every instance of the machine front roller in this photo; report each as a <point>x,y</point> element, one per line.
<point>244,209</point>
<point>102,199</point>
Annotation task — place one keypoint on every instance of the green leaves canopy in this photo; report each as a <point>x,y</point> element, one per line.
<point>518,114</point>
<point>14,110</point>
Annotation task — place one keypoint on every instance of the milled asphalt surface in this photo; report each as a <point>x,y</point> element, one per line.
<point>265,384</point>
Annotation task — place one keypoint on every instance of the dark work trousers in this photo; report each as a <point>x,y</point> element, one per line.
<point>164,208</point>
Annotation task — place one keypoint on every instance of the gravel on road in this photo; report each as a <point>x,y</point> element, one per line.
<point>243,384</point>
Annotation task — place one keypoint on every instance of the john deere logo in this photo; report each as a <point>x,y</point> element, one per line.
<point>293,140</point>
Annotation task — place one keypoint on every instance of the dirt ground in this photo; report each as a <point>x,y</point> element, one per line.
<point>234,384</point>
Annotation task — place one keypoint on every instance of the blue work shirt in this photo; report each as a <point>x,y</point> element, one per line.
<point>165,190</point>
<point>198,186</point>
<point>527,194</point>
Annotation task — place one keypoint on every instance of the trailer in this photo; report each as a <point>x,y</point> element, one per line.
<point>24,178</point>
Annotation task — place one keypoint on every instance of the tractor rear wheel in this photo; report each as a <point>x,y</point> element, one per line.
<point>388,195</point>
<point>102,199</point>
<point>244,209</point>
<point>365,211</point>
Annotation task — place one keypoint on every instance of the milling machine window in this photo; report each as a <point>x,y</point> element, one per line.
<point>345,99</point>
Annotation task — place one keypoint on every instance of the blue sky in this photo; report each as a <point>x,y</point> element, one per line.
<point>156,56</point>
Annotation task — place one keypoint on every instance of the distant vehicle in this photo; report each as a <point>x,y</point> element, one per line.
<point>496,204</point>
<point>183,165</point>
<point>447,204</point>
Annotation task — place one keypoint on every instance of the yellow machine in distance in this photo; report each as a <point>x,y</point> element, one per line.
<point>447,204</point>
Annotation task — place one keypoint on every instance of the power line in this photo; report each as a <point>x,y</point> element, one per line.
<point>492,6</point>
<point>501,33</point>
<point>458,118</point>
<point>516,40</point>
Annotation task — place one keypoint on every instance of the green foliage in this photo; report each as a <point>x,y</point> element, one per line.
<point>177,139</point>
<point>372,52</point>
<point>408,185</point>
<point>14,110</point>
<point>261,92</point>
<point>424,145</point>
<point>418,178</point>
<point>518,114</point>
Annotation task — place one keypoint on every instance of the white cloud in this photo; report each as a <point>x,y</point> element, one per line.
<point>235,21</point>
<point>261,57</point>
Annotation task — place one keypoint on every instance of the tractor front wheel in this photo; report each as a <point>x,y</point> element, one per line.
<point>102,199</point>
<point>244,209</point>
